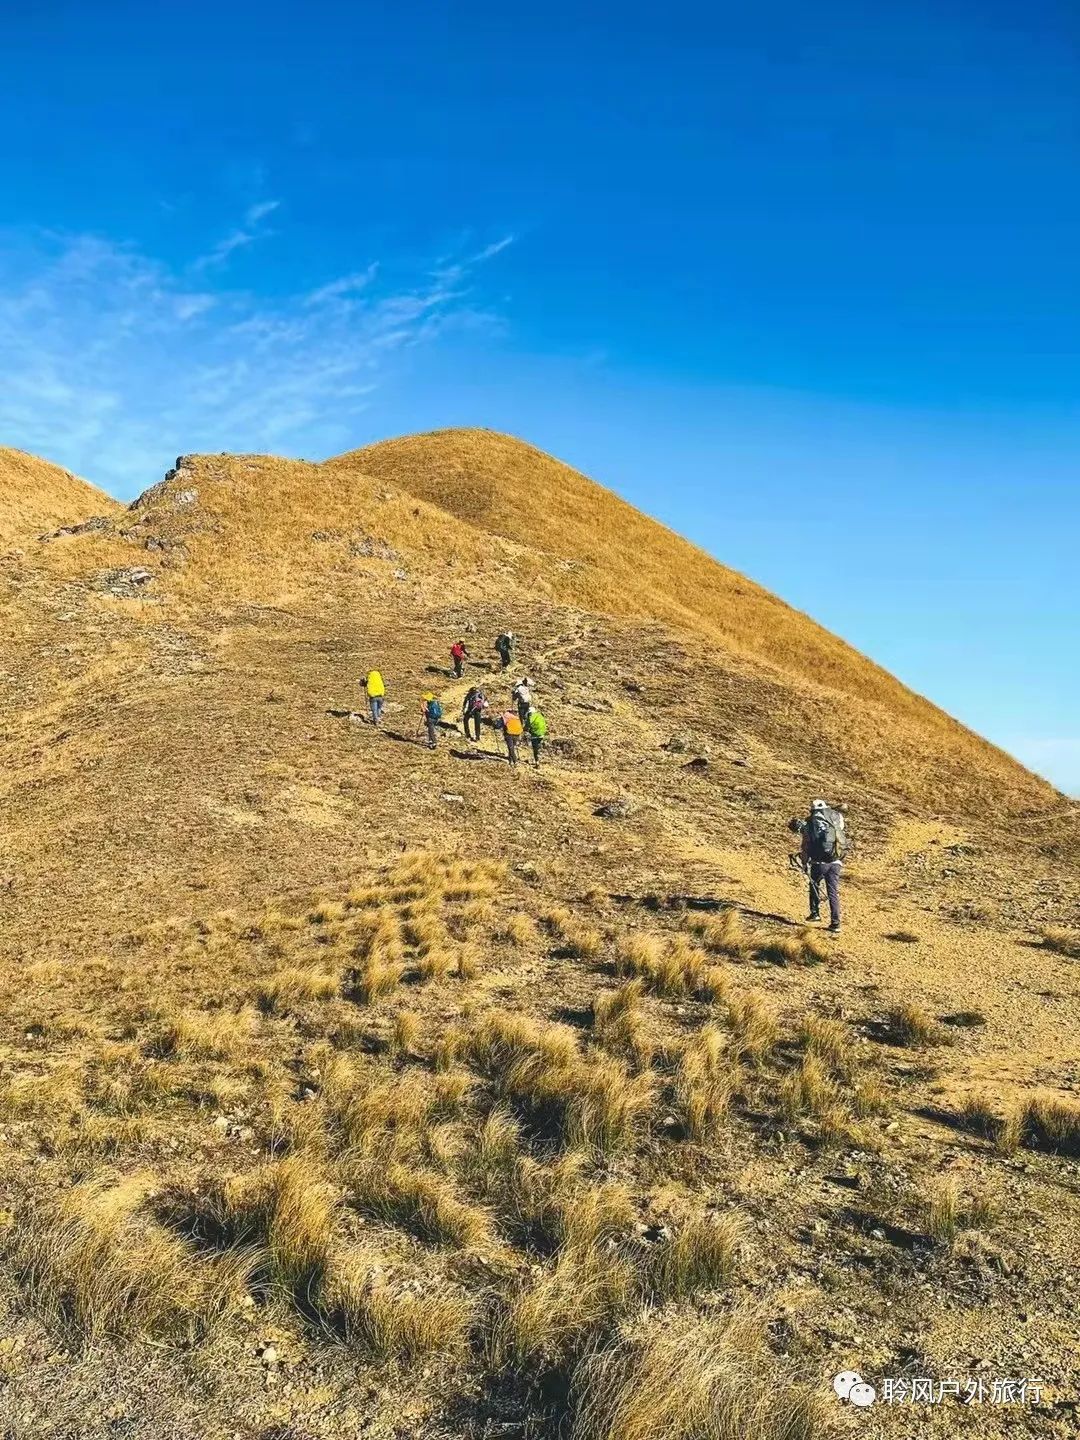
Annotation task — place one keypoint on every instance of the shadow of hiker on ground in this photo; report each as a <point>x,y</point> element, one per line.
<point>479,755</point>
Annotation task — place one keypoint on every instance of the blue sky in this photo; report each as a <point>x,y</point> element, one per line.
<point>802,281</point>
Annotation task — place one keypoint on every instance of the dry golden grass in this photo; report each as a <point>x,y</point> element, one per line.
<point>205,1035</point>
<point>1047,1124</point>
<point>582,942</point>
<point>366,1106</point>
<point>946,1212</point>
<point>755,1030</point>
<point>418,1201</point>
<point>707,1076</point>
<point>284,992</point>
<point>37,497</point>
<point>689,1379</point>
<point>808,1090</point>
<point>722,934</point>
<point>1062,942</point>
<point>393,1324</point>
<point>674,969</point>
<point>909,1024</point>
<point>518,930</point>
<point>376,979</point>
<point>98,1266</point>
<point>554,1318</point>
<point>830,1040</point>
<point>701,1254</point>
<point>802,948</point>
<point>405,1033</point>
<point>608,1107</point>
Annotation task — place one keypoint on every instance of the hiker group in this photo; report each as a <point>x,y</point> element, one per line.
<point>822,838</point>
<point>521,720</point>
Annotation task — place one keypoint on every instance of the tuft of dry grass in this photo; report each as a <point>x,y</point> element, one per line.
<point>701,1254</point>
<point>802,948</point>
<point>830,1040</point>
<point>909,1024</point>
<point>689,1380</point>
<point>378,977</point>
<point>546,1323</point>
<point>706,1078</point>
<point>608,1107</point>
<point>449,1047</point>
<point>808,1090</point>
<point>518,930</point>
<point>1062,942</point>
<point>1047,1124</point>
<point>204,1035</point>
<point>405,1033</point>
<point>418,1201</point>
<point>97,1266</point>
<point>582,942</point>
<point>754,1028</point>
<point>390,1324</point>
<point>674,970</point>
<point>722,934</point>
<point>283,992</point>
<point>620,1024</point>
<point>945,1212</point>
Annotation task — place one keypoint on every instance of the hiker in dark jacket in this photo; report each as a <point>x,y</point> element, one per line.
<point>504,647</point>
<point>431,714</point>
<point>472,711</point>
<point>822,855</point>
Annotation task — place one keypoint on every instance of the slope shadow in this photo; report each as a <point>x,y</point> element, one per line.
<point>479,755</point>
<point>702,902</point>
<point>418,740</point>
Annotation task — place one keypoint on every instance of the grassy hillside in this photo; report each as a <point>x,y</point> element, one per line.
<point>36,497</point>
<point>349,1088</point>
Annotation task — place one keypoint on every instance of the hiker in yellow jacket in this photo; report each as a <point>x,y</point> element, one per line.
<point>376,693</point>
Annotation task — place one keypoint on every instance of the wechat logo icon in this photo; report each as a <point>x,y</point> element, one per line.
<point>852,1389</point>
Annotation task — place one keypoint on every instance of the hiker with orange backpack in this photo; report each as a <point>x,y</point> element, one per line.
<point>375,688</point>
<point>512,728</point>
<point>458,656</point>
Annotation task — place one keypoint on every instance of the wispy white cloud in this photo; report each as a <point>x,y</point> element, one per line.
<point>346,285</point>
<point>113,362</point>
<point>246,234</point>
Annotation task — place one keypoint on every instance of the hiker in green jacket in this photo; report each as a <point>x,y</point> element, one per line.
<point>537,728</point>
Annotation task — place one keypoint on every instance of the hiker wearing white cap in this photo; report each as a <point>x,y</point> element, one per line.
<point>822,853</point>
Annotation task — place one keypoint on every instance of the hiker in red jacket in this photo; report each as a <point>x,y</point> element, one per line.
<point>458,654</point>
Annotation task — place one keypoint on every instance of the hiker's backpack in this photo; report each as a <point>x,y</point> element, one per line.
<point>512,725</point>
<point>375,687</point>
<point>434,710</point>
<point>825,832</point>
<point>537,726</point>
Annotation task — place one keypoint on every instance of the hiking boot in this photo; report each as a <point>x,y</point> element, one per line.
<point>813,916</point>
<point>834,929</point>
